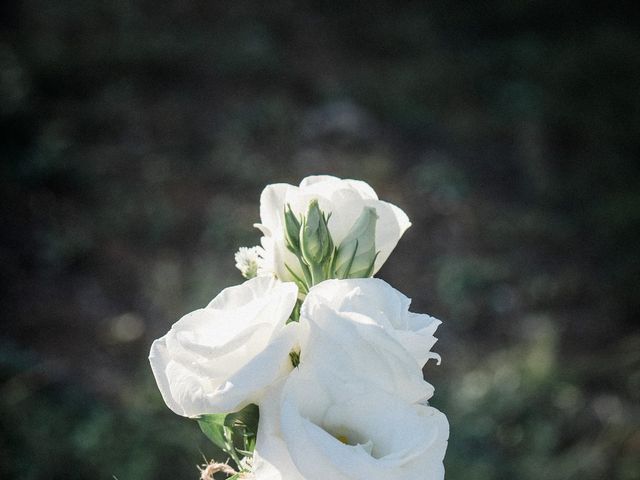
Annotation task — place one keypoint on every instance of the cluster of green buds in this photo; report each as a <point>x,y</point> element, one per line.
<point>309,239</point>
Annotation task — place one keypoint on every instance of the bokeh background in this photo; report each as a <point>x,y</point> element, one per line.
<point>136,137</point>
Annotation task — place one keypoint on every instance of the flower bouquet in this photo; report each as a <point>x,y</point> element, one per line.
<point>311,368</point>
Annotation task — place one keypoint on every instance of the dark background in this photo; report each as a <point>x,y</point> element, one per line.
<point>136,137</point>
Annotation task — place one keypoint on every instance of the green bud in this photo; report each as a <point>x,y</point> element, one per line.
<point>315,240</point>
<point>291,229</point>
<point>357,254</point>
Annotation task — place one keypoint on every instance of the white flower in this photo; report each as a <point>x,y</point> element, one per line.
<point>220,358</point>
<point>249,260</point>
<point>342,200</point>
<point>384,304</point>
<point>313,428</point>
<point>354,408</point>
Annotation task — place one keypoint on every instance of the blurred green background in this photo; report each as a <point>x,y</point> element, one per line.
<point>136,137</point>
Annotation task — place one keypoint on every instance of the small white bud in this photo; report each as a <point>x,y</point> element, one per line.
<point>249,260</point>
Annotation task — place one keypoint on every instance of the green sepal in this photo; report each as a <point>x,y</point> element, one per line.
<point>373,262</point>
<point>298,281</point>
<point>344,270</point>
<point>291,229</point>
<point>295,313</point>
<point>246,418</point>
<point>356,254</point>
<point>212,425</point>
<point>235,433</point>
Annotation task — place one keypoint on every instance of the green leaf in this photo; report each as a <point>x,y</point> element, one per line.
<point>234,433</point>
<point>246,418</point>
<point>212,426</point>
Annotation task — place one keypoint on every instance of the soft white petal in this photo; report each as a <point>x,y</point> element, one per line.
<point>348,346</point>
<point>391,225</point>
<point>271,459</point>
<point>264,296</point>
<point>363,188</point>
<point>313,179</point>
<point>347,205</point>
<point>160,359</point>
<point>272,203</point>
<point>247,384</point>
<point>385,305</point>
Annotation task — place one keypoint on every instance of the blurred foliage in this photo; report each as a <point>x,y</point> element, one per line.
<point>52,429</point>
<point>521,414</point>
<point>135,139</point>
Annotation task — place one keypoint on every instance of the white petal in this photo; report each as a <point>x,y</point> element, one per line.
<point>347,205</point>
<point>347,346</point>
<point>313,179</point>
<point>391,225</point>
<point>265,296</point>
<point>266,367</point>
<point>363,188</point>
<point>160,360</point>
<point>272,203</point>
<point>271,459</point>
<point>385,305</point>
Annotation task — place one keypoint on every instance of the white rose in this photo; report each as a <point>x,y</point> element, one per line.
<point>343,200</point>
<point>384,304</point>
<point>220,358</point>
<point>313,428</point>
